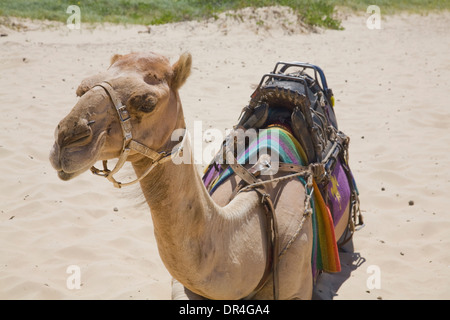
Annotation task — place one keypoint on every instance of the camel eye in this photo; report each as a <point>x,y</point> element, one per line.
<point>147,107</point>
<point>143,102</point>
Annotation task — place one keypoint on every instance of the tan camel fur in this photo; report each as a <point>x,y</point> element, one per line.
<point>213,248</point>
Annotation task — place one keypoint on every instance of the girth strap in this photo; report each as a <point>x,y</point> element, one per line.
<point>272,246</point>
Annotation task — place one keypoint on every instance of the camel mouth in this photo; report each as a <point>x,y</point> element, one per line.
<point>71,161</point>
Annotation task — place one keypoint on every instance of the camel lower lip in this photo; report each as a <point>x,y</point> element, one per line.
<point>65,176</point>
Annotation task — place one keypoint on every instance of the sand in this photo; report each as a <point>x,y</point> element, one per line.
<point>391,89</point>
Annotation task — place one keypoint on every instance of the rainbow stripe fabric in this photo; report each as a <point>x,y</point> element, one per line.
<point>325,256</point>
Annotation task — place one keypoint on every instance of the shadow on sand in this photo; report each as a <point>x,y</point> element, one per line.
<point>328,284</point>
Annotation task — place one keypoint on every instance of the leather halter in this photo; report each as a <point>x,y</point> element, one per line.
<point>130,144</point>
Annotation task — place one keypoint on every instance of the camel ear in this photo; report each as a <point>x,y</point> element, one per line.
<point>181,70</point>
<point>88,83</point>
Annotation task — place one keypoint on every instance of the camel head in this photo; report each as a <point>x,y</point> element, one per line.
<point>147,84</point>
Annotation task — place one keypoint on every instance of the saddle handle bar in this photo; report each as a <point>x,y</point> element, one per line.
<point>317,70</point>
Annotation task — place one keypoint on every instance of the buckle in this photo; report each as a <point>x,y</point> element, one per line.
<point>124,115</point>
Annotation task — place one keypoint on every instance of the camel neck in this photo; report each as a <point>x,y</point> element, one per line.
<point>192,231</point>
<point>181,208</point>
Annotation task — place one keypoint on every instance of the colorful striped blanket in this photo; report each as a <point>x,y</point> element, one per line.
<point>325,255</point>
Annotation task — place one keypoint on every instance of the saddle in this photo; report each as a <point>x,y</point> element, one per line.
<point>302,101</point>
<point>295,96</point>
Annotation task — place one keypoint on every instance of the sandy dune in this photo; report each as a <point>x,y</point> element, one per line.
<point>391,88</point>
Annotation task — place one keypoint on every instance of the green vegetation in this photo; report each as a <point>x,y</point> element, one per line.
<point>395,6</point>
<point>318,12</point>
<point>312,12</point>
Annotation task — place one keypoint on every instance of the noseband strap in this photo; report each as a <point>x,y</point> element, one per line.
<point>130,144</point>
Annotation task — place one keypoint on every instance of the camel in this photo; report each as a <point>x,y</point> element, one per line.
<point>213,248</point>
